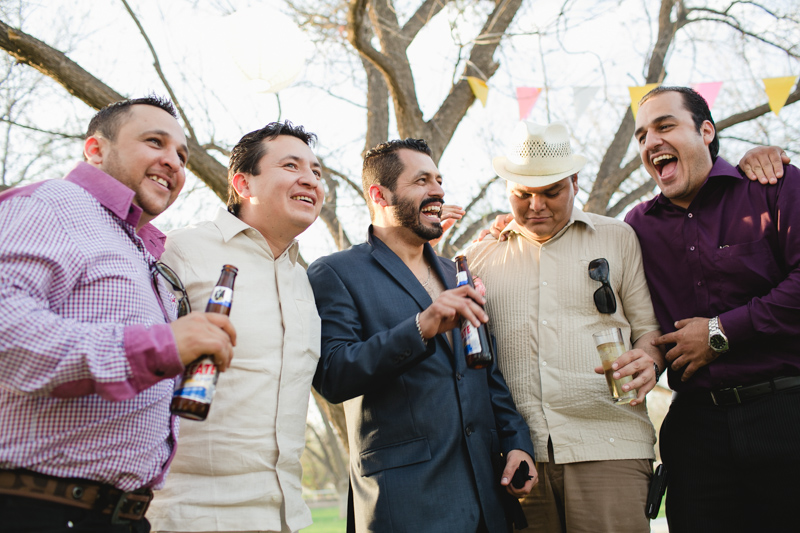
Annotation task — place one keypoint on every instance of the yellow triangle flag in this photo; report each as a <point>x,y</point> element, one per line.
<point>777,90</point>
<point>637,93</point>
<point>479,88</point>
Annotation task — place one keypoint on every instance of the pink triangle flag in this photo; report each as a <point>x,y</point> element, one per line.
<point>526,98</point>
<point>709,91</point>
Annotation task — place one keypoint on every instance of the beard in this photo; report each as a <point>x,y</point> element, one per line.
<point>408,213</point>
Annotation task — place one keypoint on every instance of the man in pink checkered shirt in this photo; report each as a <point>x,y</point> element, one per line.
<point>88,345</point>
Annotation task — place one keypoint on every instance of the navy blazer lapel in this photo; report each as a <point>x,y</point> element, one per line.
<point>395,267</point>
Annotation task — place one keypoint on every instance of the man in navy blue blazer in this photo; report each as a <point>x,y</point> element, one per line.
<point>423,428</point>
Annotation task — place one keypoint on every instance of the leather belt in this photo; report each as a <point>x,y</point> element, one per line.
<point>738,395</point>
<point>82,493</point>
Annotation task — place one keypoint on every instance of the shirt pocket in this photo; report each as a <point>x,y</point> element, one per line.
<point>742,271</point>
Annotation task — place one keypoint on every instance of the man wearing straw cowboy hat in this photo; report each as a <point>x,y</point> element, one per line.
<point>559,275</point>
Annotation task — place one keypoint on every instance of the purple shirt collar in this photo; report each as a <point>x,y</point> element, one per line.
<point>118,199</point>
<point>720,168</point>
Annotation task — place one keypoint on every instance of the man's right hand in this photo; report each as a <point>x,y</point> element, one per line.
<point>764,164</point>
<point>446,312</point>
<point>500,223</point>
<point>199,334</point>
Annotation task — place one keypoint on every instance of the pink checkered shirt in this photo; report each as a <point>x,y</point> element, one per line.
<point>86,354</point>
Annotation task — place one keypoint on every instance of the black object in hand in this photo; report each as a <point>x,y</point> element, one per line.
<point>521,475</point>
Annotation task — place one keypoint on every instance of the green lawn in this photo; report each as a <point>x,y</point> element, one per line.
<point>326,520</point>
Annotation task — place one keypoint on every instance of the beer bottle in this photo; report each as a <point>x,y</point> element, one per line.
<point>195,390</point>
<point>477,343</point>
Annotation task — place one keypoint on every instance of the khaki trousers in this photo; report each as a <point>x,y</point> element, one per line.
<point>590,497</point>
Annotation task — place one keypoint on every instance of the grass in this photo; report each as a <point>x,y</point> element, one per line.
<point>326,520</point>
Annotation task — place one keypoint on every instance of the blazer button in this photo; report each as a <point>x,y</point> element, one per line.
<point>469,430</point>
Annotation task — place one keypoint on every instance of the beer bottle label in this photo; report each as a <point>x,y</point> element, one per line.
<point>199,381</point>
<point>470,338</point>
<point>461,278</point>
<point>222,296</point>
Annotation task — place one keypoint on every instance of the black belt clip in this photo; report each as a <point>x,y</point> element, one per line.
<point>734,400</point>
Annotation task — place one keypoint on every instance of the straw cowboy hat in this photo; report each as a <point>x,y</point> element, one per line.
<point>539,156</point>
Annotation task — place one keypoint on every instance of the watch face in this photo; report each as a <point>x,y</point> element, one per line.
<point>718,342</point>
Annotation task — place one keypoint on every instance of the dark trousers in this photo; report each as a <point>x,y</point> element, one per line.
<point>30,515</point>
<point>733,468</point>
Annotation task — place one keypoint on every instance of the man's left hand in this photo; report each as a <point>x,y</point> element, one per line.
<point>636,363</point>
<point>764,163</point>
<point>691,346</point>
<point>513,459</point>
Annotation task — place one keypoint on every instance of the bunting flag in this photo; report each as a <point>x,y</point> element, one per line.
<point>637,93</point>
<point>526,98</point>
<point>777,90</point>
<point>581,96</point>
<point>708,91</point>
<point>479,88</point>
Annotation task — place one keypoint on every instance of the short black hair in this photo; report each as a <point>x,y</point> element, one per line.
<point>247,153</point>
<point>108,120</point>
<point>382,165</point>
<point>694,104</point>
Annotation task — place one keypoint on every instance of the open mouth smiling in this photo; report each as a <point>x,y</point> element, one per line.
<point>303,198</point>
<point>432,211</point>
<point>158,179</point>
<point>661,161</point>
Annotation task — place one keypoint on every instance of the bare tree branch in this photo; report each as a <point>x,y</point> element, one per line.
<point>48,132</point>
<point>96,94</point>
<point>162,77</point>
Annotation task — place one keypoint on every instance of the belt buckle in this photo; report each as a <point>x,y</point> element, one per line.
<point>140,508</point>
<point>735,394</point>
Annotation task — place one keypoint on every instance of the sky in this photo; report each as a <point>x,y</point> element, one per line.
<point>600,43</point>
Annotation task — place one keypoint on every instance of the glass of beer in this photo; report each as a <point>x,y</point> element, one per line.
<point>610,346</point>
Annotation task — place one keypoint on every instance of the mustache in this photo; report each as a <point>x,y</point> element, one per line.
<point>430,200</point>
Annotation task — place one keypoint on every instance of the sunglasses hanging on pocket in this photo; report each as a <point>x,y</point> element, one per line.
<point>604,298</point>
<point>172,278</point>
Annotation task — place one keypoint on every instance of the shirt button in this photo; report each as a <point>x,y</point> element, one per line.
<point>544,322</point>
<point>544,416</point>
<point>544,363</point>
<point>691,248</point>
<point>547,405</point>
<point>458,376</point>
<point>611,440</point>
<point>544,283</point>
<point>469,431</point>
<point>690,215</point>
<point>699,283</point>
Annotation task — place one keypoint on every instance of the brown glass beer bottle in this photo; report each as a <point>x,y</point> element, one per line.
<point>195,390</point>
<point>477,344</point>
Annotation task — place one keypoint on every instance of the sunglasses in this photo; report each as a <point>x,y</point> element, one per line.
<point>604,298</point>
<point>172,278</point>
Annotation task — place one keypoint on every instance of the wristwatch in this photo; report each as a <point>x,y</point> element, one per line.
<point>716,339</point>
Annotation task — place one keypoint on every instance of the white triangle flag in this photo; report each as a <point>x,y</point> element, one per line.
<point>581,98</point>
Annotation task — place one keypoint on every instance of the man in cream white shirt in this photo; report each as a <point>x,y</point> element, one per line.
<point>240,469</point>
<point>593,457</point>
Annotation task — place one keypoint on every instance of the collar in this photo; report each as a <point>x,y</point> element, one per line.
<point>230,226</point>
<point>111,194</point>
<point>118,199</point>
<point>578,215</point>
<point>719,169</point>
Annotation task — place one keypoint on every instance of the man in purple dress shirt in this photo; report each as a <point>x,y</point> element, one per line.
<point>722,259</point>
<point>88,348</point>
